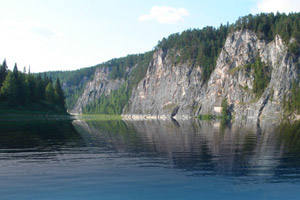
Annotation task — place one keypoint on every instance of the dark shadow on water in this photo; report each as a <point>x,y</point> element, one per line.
<point>175,122</point>
<point>38,134</point>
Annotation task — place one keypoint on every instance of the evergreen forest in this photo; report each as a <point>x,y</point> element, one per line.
<point>203,46</point>
<point>26,91</point>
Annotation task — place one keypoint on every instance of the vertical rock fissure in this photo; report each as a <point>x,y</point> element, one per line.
<point>174,112</point>
<point>260,111</point>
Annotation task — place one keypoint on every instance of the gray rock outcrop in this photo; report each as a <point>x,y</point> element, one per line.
<point>101,84</point>
<point>171,90</point>
<point>178,91</point>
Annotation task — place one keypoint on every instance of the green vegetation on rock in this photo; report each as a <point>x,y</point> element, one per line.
<point>207,117</point>
<point>291,102</point>
<point>225,113</point>
<point>200,47</point>
<point>111,104</point>
<point>261,74</point>
<point>115,102</point>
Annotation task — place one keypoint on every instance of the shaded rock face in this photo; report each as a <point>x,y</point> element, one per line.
<point>101,84</point>
<point>167,90</point>
<point>178,91</point>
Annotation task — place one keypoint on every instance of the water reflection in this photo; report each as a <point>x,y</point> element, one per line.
<point>177,159</point>
<point>37,134</point>
<point>198,148</point>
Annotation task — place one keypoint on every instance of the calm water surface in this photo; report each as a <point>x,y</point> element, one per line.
<point>145,160</point>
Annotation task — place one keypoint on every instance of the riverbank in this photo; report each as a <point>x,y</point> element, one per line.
<point>97,117</point>
<point>32,112</point>
<point>34,108</point>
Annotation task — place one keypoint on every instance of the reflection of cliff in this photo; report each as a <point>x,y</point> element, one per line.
<point>112,135</point>
<point>193,146</point>
<point>200,146</point>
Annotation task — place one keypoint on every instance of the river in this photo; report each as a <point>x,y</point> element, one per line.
<point>145,159</point>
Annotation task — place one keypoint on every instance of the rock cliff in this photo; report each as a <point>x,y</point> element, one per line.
<point>167,90</point>
<point>178,91</point>
<point>101,84</point>
<point>171,90</point>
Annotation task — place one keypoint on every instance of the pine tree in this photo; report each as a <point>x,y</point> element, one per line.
<point>32,86</point>
<point>9,89</point>
<point>3,72</point>
<point>40,88</point>
<point>23,89</point>
<point>15,71</point>
<point>225,113</point>
<point>49,94</point>
<point>59,95</point>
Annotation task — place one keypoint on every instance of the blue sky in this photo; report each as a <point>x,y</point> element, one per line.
<point>71,34</point>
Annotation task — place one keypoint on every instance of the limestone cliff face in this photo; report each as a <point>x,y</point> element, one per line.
<point>101,84</point>
<point>177,91</point>
<point>166,90</point>
<point>229,80</point>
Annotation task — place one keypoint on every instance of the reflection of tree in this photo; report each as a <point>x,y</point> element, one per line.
<point>38,134</point>
<point>289,139</point>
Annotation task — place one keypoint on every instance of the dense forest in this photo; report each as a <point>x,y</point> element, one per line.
<point>21,90</point>
<point>199,47</point>
<point>202,46</point>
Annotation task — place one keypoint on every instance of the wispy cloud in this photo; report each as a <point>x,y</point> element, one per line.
<point>165,15</point>
<point>27,42</point>
<point>277,5</point>
<point>29,28</point>
<point>42,31</point>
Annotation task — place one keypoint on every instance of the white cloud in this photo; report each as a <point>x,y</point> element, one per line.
<point>165,15</point>
<point>286,6</point>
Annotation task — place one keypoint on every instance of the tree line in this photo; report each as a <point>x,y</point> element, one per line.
<point>198,47</point>
<point>21,89</point>
<point>203,46</point>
